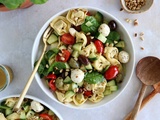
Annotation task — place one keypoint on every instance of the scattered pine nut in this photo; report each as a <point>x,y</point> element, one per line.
<point>142,48</point>
<point>135,22</point>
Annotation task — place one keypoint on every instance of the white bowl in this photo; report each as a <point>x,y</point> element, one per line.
<point>36,99</point>
<point>38,45</point>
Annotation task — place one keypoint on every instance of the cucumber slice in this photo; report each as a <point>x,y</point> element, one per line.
<point>89,66</point>
<point>80,84</point>
<point>8,111</point>
<point>111,83</point>
<point>120,44</point>
<point>113,88</point>
<point>67,80</point>
<point>53,38</point>
<point>49,54</point>
<point>102,38</point>
<point>67,66</point>
<point>99,17</point>
<point>69,94</point>
<point>92,57</point>
<point>77,46</point>
<point>74,85</point>
<point>62,47</point>
<point>22,115</point>
<point>107,92</point>
<point>75,54</point>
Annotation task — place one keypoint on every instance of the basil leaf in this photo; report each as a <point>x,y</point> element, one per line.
<point>12,4</point>
<point>56,67</point>
<point>39,1</point>
<point>94,78</point>
<point>93,27</point>
<point>113,35</point>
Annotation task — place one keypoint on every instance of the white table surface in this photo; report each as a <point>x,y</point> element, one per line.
<point>19,28</point>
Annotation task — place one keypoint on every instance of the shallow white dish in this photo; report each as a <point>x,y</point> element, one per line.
<point>38,46</point>
<point>36,99</point>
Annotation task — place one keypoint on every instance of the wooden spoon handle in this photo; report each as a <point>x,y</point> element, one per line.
<point>144,102</point>
<point>20,100</point>
<point>138,103</point>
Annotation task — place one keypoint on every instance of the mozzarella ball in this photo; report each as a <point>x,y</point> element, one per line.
<point>77,75</point>
<point>123,57</point>
<point>104,29</point>
<point>36,106</point>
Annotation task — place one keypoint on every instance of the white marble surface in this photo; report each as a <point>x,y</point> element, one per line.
<point>19,28</point>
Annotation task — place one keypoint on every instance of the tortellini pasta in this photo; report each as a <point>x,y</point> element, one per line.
<point>100,63</point>
<point>96,97</point>
<point>88,49</point>
<point>79,99</point>
<point>11,102</point>
<point>81,37</point>
<point>111,53</point>
<point>61,25</point>
<point>77,16</point>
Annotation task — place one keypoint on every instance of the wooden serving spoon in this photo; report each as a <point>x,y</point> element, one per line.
<point>148,71</point>
<point>147,99</point>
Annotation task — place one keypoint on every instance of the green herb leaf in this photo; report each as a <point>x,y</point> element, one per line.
<point>39,1</point>
<point>56,67</point>
<point>113,35</point>
<point>94,78</point>
<point>93,27</point>
<point>12,4</point>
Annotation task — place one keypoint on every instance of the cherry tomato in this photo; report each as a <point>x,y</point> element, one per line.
<point>45,116</point>
<point>88,93</point>
<point>99,46</point>
<point>51,76</point>
<point>67,39</point>
<point>65,54</point>
<point>111,73</point>
<point>52,85</point>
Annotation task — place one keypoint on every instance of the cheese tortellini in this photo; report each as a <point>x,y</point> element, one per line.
<point>79,99</point>
<point>111,53</point>
<point>100,63</point>
<point>61,25</point>
<point>76,16</point>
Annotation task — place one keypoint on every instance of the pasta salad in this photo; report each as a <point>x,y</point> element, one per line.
<point>30,110</point>
<point>85,58</point>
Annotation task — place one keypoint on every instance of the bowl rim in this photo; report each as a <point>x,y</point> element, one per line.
<point>43,28</point>
<point>36,99</point>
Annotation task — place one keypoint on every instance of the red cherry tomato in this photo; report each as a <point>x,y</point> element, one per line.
<point>99,46</point>
<point>68,39</point>
<point>111,73</point>
<point>65,54</point>
<point>88,93</point>
<point>51,76</point>
<point>52,85</point>
<point>45,116</point>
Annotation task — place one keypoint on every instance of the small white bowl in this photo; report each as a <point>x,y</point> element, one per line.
<point>38,45</point>
<point>36,99</point>
<point>144,8</point>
